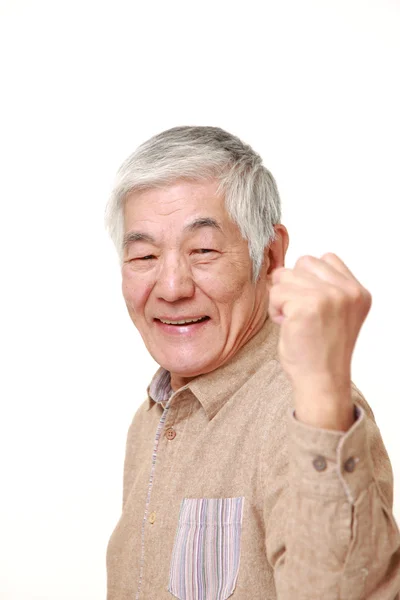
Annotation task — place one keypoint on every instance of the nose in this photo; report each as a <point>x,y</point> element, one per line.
<point>174,280</point>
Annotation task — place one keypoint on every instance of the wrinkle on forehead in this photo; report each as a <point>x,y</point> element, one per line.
<point>170,211</point>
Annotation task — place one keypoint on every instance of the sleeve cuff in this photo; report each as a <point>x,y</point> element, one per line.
<point>330,463</point>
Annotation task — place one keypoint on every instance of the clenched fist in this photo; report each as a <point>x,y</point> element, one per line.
<point>320,307</point>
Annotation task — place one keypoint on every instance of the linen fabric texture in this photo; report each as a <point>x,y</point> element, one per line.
<point>226,494</point>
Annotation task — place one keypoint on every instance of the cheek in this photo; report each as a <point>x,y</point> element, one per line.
<point>135,291</point>
<point>225,287</point>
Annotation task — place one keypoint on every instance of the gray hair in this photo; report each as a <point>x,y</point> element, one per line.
<point>197,153</point>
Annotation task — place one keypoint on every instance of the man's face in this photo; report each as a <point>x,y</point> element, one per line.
<point>185,260</point>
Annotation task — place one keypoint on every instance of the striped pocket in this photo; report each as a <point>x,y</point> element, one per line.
<point>206,552</point>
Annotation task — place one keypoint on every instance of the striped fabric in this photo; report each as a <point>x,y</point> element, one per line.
<point>206,554</point>
<point>160,387</point>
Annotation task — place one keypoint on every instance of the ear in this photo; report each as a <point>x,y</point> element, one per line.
<point>274,254</point>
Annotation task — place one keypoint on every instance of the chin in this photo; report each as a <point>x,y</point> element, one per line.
<point>186,368</point>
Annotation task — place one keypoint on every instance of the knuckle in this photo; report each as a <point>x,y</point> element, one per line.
<point>331,255</point>
<point>356,293</point>
<point>303,261</point>
<point>368,297</point>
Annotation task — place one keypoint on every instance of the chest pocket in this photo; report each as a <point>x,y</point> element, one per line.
<point>206,553</point>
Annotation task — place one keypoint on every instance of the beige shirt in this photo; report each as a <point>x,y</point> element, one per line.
<point>226,494</point>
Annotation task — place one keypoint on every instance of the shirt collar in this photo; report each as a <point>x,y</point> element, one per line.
<point>215,388</point>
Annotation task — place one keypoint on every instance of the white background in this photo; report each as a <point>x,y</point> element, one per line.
<point>312,85</point>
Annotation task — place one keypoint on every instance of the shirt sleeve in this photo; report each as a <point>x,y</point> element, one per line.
<point>330,532</point>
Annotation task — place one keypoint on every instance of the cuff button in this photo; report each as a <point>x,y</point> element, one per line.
<point>319,463</point>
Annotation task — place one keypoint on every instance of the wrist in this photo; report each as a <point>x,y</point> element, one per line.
<point>327,406</point>
<point>333,418</point>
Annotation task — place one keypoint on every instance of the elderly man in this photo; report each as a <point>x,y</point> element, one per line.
<point>254,467</point>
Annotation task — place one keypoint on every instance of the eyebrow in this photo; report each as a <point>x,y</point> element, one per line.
<point>139,236</point>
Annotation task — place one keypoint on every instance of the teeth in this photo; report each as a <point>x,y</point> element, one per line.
<point>182,322</point>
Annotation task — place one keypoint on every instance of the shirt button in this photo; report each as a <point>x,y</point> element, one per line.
<point>152,517</point>
<point>170,433</point>
<point>350,465</point>
<point>319,463</point>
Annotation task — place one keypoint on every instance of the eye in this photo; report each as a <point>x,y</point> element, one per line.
<point>148,257</point>
<point>204,250</point>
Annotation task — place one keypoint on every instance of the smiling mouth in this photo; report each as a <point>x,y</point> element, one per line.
<point>183,321</point>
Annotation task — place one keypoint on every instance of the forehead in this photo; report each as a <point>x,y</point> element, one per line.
<point>176,203</point>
